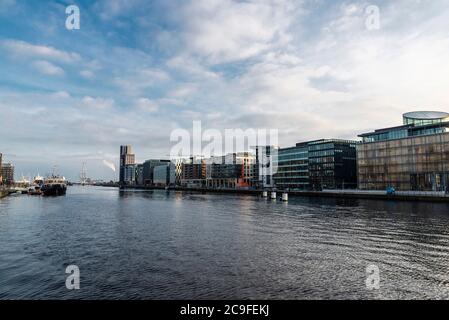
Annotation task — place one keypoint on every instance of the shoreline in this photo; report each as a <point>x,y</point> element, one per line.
<point>340,194</point>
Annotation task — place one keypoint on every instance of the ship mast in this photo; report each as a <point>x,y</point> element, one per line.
<point>83,174</point>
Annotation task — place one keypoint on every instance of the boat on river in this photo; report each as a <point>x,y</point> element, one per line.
<point>54,186</point>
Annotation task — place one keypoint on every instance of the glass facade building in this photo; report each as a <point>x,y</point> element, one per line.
<point>293,168</point>
<point>316,165</point>
<point>413,157</point>
<point>161,175</point>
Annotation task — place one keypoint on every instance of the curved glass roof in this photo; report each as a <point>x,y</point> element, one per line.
<point>426,115</point>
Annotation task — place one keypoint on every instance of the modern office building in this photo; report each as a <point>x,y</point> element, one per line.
<point>176,171</point>
<point>161,175</point>
<point>293,168</point>
<point>332,164</point>
<point>414,156</point>
<point>127,158</point>
<point>265,167</point>
<point>317,165</point>
<point>129,175</point>
<point>148,170</point>
<point>7,173</point>
<point>139,175</point>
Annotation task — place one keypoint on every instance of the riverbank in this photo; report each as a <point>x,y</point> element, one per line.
<point>344,194</point>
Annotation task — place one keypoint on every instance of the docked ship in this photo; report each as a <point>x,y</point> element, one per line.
<point>21,186</point>
<point>54,186</point>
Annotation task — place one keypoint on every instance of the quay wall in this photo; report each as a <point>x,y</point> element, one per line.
<point>341,194</point>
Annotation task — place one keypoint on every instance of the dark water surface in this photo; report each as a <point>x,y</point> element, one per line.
<point>159,245</point>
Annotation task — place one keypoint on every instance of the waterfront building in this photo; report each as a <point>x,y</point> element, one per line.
<point>194,173</point>
<point>139,175</point>
<point>176,171</point>
<point>332,164</point>
<point>248,161</point>
<point>225,175</point>
<point>265,166</point>
<point>129,175</point>
<point>161,175</point>
<point>293,168</point>
<point>234,170</point>
<point>127,158</point>
<point>1,178</point>
<point>411,157</point>
<point>317,165</point>
<point>7,173</point>
<point>148,170</point>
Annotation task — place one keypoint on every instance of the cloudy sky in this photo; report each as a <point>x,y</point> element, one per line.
<point>136,70</point>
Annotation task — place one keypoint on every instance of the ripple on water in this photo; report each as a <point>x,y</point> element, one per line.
<point>159,245</point>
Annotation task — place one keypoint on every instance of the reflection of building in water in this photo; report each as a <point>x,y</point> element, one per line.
<point>414,156</point>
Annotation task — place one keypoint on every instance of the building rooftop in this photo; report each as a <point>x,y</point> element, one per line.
<point>405,127</point>
<point>322,141</point>
<point>426,115</point>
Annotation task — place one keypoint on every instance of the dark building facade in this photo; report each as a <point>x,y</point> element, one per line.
<point>193,171</point>
<point>332,164</point>
<point>293,168</point>
<point>265,167</point>
<point>148,170</point>
<point>127,158</point>
<point>411,157</point>
<point>317,165</point>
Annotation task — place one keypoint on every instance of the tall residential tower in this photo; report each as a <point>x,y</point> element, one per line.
<point>127,162</point>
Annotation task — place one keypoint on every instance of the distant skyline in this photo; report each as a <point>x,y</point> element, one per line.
<point>136,70</point>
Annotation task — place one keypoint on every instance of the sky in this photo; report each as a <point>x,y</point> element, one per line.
<point>137,70</point>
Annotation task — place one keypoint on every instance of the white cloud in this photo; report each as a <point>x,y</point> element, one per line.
<point>48,68</point>
<point>22,48</point>
<point>225,30</point>
<point>88,74</point>
<point>311,74</point>
<point>98,102</point>
<point>191,67</point>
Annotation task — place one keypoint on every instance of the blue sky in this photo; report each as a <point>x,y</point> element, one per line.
<point>136,70</point>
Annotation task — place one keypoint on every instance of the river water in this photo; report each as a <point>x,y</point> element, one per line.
<point>178,245</point>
